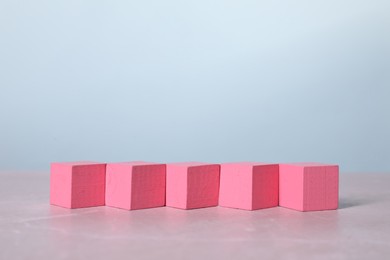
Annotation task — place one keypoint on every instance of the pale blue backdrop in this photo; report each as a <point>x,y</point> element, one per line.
<point>195,80</point>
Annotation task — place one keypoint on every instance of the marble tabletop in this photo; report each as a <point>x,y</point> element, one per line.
<point>32,229</point>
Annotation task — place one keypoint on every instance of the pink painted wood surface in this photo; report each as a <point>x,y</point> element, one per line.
<point>135,185</point>
<point>192,185</point>
<point>309,186</point>
<point>249,186</point>
<point>77,184</point>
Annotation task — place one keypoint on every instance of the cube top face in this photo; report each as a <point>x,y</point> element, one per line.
<point>249,186</point>
<point>247,164</point>
<point>308,186</point>
<point>309,164</point>
<point>136,163</point>
<point>127,167</point>
<point>192,185</point>
<point>73,164</point>
<point>77,184</point>
<point>189,164</point>
<point>135,185</point>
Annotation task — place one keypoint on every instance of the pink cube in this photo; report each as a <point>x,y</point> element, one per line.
<point>249,186</point>
<point>309,186</point>
<point>192,185</point>
<point>77,184</point>
<point>135,185</point>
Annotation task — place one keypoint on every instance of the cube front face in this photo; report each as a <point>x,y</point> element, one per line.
<point>118,186</point>
<point>88,185</point>
<point>176,194</point>
<point>332,188</point>
<point>135,185</point>
<point>61,185</point>
<point>249,186</point>
<point>321,188</point>
<point>291,186</point>
<point>265,186</point>
<point>308,187</point>
<point>236,186</point>
<point>202,186</point>
<point>192,186</point>
<point>148,186</point>
<point>77,185</point>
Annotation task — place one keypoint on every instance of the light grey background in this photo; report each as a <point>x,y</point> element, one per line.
<point>195,80</point>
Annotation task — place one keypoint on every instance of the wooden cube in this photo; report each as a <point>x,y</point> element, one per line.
<point>309,186</point>
<point>77,184</point>
<point>135,185</point>
<point>249,186</point>
<point>192,185</point>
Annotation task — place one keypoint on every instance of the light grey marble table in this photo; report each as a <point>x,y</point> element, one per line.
<point>32,229</point>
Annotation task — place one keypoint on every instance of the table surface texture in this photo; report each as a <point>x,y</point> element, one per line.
<point>30,228</point>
